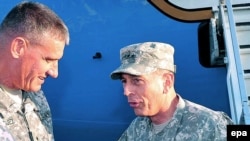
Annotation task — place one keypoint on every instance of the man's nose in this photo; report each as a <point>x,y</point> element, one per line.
<point>127,89</point>
<point>53,71</point>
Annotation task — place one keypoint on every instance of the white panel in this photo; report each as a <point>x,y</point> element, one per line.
<point>194,4</point>
<point>245,58</point>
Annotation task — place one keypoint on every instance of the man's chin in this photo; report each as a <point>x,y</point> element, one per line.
<point>34,89</point>
<point>139,113</point>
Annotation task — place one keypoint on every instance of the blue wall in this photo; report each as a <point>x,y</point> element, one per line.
<point>86,104</point>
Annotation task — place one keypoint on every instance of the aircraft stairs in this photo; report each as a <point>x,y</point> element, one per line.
<point>233,24</point>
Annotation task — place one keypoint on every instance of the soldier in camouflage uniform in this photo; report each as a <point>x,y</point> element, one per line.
<point>147,74</point>
<point>32,40</point>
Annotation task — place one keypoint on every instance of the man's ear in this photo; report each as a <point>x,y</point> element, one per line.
<point>169,80</point>
<point>18,45</point>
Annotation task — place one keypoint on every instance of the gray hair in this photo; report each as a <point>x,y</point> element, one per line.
<point>32,20</point>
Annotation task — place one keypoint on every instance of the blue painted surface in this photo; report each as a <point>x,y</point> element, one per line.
<point>86,104</point>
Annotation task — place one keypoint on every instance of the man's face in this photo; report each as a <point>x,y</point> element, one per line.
<point>39,61</point>
<point>144,93</point>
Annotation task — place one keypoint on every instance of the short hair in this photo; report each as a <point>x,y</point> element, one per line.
<point>32,20</point>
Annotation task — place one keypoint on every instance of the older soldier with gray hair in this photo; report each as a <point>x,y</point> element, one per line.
<point>147,73</point>
<point>32,40</point>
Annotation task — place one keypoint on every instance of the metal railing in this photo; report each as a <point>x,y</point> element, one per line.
<point>240,112</point>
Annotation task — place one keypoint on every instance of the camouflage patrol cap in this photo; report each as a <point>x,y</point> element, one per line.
<point>144,58</point>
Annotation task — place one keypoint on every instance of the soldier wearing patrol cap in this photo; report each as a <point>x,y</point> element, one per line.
<point>147,73</point>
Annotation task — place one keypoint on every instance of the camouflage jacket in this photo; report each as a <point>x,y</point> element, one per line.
<point>30,123</point>
<point>191,122</point>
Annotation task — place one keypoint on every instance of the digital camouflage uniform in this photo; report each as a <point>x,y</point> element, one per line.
<point>30,123</point>
<point>191,122</point>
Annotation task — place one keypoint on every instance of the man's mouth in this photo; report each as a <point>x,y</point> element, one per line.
<point>134,104</point>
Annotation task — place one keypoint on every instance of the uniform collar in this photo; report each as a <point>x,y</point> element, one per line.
<point>7,102</point>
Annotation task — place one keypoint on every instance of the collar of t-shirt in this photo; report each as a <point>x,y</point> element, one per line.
<point>15,95</point>
<point>159,127</point>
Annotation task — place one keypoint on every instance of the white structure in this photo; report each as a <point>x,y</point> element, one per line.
<point>229,19</point>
